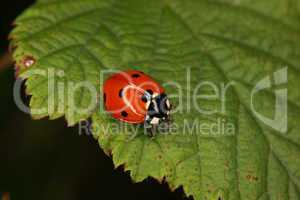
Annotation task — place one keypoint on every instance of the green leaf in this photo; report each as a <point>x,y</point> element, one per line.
<point>215,41</point>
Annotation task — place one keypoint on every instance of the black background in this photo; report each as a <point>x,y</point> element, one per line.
<point>46,159</point>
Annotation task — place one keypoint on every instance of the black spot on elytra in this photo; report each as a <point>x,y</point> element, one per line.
<point>150,91</point>
<point>135,75</point>
<point>124,113</point>
<point>104,97</point>
<point>121,92</point>
<point>144,98</point>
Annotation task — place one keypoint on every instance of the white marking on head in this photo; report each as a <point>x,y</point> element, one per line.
<point>154,95</point>
<point>147,117</point>
<point>155,106</point>
<point>168,103</point>
<point>147,105</point>
<point>155,120</point>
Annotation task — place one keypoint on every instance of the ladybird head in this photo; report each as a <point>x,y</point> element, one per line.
<point>158,108</point>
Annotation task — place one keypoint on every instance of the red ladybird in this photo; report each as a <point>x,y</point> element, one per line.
<point>134,97</point>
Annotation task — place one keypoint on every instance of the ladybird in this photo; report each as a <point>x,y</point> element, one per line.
<point>134,97</point>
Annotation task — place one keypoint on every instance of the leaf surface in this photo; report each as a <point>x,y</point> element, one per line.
<point>187,42</point>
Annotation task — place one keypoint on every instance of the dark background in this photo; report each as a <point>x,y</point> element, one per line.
<point>46,159</point>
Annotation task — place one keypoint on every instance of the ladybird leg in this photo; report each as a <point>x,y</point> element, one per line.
<point>154,124</point>
<point>149,130</point>
<point>164,127</point>
<point>147,127</point>
<point>151,133</point>
<point>154,130</point>
<point>167,124</point>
